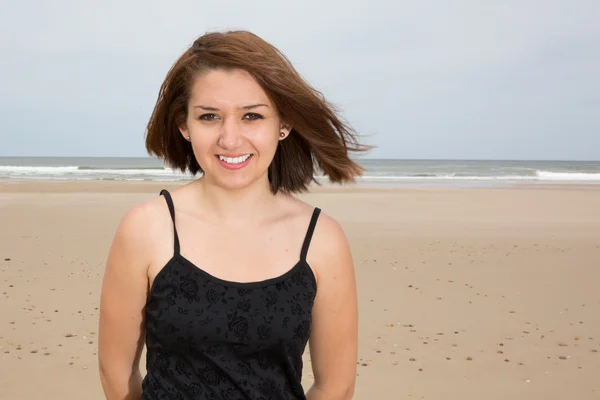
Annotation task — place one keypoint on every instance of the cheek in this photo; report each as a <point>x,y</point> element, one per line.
<point>270,144</point>
<point>201,147</point>
<point>264,138</point>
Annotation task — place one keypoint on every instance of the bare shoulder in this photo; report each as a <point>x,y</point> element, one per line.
<point>142,219</point>
<point>329,253</point>
<point>142,227</point>
<point>329,237</point>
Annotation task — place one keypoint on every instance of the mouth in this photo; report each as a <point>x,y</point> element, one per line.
<point>234,162</point>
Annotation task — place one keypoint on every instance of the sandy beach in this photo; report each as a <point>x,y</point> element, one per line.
<point>463,293</point>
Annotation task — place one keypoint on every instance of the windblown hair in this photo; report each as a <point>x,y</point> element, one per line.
<point>318,138</point>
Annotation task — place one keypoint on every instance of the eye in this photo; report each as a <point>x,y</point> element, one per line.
<point>208,117</point>
<point>253,116</point>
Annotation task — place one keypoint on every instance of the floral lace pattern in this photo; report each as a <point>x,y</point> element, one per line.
<point>211,339</point>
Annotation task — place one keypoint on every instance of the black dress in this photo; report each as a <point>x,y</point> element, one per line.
<point>208,338</point>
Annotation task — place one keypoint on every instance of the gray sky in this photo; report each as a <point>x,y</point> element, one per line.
<point>514,79</point>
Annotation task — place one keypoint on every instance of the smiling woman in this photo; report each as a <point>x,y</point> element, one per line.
<point>232,125</point>
<point>313,130</point>
<point>228,278</point>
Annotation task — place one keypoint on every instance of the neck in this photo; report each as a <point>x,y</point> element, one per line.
<point>237,206</point>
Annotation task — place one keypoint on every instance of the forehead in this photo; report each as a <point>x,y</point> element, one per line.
<point>222,88</point>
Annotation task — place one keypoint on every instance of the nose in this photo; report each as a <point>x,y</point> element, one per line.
<point>230,134</point>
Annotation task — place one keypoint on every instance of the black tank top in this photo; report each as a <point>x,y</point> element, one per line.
<point>208,338</point>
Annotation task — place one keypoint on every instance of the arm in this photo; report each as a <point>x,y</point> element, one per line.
<point>334,333</point>
<point>123,297</point>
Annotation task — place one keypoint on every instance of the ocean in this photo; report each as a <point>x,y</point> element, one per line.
<point>431,173</point>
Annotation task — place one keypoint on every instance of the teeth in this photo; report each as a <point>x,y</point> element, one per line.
<point>234,160</point>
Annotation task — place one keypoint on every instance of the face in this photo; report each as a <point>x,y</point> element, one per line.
<point>233,127</point>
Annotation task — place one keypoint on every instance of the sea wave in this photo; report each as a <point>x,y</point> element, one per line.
<point>85,168</point>
<point>531,176</point>
<point>568,176</point>
<point>75,172</point>
<point>18,169</point>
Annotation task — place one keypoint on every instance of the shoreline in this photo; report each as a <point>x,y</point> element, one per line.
<point>149,186</point>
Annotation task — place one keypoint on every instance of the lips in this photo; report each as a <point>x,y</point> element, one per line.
<point>234,159</point>
<point>234,163</point>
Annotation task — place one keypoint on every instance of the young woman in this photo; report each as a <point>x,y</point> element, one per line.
<point>227,278</point>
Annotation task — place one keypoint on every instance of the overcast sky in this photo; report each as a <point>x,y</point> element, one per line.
<point>516,79</point>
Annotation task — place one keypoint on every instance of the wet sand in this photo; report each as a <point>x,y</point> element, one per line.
<point>463,293</point>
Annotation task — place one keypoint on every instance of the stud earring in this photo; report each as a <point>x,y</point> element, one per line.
<point>281,134</point>
<point>188,138</point>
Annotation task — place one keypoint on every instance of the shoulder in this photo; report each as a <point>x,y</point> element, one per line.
<point>145,216</point>
<point>329,252</point>
<point>142,225</point>
<point>329,237</point>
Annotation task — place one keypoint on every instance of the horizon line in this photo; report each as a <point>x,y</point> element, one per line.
<point>354,158</point>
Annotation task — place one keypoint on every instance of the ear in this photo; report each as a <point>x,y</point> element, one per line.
<point>285,129</point>
<point>184,131</point>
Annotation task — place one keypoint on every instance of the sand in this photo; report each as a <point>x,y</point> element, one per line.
<point>463,293</point>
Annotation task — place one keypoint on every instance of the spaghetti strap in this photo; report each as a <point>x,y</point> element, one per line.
<point>171,206</point>
<point>309,233</point>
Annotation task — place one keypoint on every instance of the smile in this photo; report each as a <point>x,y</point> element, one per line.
<point>234,162</point>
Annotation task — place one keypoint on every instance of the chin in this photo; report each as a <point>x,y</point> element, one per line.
<point>234,183</point>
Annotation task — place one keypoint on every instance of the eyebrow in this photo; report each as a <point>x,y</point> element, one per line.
<point>250,107</point>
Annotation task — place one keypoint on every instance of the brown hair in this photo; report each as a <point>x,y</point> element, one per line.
<point>318,134</point>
